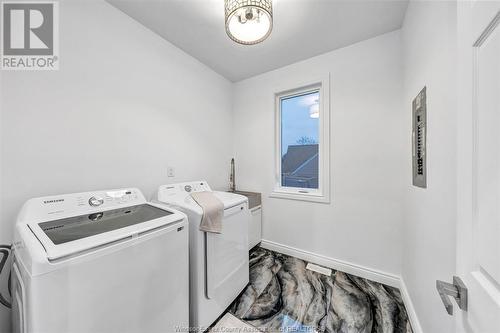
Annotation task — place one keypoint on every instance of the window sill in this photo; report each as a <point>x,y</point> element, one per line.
<point>300,196</point>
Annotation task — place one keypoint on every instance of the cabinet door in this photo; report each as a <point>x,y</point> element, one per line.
<point>255,228</point>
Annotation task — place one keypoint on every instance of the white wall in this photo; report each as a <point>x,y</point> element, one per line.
<point>124,105</point>
<point>429,37</point>
<point>362,224</point>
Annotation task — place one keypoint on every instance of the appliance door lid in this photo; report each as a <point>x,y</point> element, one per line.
<point>227,268</point>
<point>230,199</point>
<point>70,235</point>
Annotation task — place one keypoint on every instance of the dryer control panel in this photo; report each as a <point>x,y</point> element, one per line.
<point>183,188</point>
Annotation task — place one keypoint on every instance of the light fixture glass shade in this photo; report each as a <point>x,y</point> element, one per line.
<point>314,111</point>
<point>248,21</point>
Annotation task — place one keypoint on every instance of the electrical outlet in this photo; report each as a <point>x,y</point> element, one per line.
<point>170,172</point>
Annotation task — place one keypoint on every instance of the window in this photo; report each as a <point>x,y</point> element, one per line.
<point>302,139</point>
<point>299,140</point>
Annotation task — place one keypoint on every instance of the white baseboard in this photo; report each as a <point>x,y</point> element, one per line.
<point>340,265</point>
<point>354,269</point>
<point>410,309</point>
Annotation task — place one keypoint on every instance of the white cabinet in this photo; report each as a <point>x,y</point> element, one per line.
<point>255,225</point>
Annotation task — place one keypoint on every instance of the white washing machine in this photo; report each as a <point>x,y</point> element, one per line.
<point>219,268</point>
<point>100,262</point>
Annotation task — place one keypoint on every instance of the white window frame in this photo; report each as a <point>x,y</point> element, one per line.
<point>322,194</point>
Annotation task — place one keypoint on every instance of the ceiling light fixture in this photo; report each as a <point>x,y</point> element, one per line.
<point>248,22</point>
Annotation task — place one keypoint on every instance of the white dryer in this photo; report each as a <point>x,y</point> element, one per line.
<point>102,261</point>
<point>219,267</point>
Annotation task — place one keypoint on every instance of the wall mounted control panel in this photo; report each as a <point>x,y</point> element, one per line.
<point>419,133</point>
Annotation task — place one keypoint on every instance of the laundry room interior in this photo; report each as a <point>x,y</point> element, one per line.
<point>250,166</point>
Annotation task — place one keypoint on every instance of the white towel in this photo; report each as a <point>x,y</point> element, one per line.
<point>213,211</point>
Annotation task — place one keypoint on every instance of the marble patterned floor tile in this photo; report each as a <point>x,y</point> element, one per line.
<point>284,296</point>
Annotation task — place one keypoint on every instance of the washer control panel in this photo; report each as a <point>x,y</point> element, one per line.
<point>107,198</point>
<point>82,202</point>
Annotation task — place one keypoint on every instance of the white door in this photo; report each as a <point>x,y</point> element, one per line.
<point>478,233</point>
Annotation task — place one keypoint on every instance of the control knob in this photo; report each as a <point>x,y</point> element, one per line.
<point>96,201</point>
